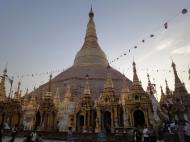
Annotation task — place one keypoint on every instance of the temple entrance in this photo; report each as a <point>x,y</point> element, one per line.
<point>94,120</point>
<point>2,118</point>
<point>120,122</point>
<point>51,121</point>
<point>38,120</point>
<point>80,123</point>
<point>139,119</point>
<point>107,121</point>
<point>15,120</point>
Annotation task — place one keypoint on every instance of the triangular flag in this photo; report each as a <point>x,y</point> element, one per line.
<point>166,25</point>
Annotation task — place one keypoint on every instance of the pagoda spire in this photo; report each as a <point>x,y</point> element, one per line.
<point>179,86</point>
<point>49,84</point>
<point>149,88</point>
<point>162,99</point>
<point>2,85</point>
<point>18,92</point>
<point>86,87</point>
<point>162,92</point>
<point>168,92</point>
<point>108,82</point>
<point>91,53</point>
<point>136,84</point>
<point>135,76</point>
<point>91,36</point>
<point>177,80</point>
<point>26,92</point>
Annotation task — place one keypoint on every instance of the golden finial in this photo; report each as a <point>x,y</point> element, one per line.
<point>91,13</point>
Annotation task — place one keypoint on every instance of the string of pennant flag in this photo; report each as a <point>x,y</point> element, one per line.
<point>165,26</point>
<point>34,75</point>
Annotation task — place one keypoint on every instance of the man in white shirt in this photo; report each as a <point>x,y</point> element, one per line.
<point>146,134</point>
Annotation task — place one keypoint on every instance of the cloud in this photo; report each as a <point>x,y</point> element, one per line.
<point>182,50</point>
<point>164,45</point>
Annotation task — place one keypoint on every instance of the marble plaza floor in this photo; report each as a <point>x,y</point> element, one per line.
<point>7,139</point>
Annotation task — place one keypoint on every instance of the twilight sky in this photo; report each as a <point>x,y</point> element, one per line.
<point>41,36</point>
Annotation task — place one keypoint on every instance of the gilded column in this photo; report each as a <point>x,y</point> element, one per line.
<point>131,118</point>
<point>112,118</point>
<point>98,121</point>
<point>89,120</point>
<point>126,118</point>
<point>115,117</point>
<point>146,117</point>
<point>85,122</point>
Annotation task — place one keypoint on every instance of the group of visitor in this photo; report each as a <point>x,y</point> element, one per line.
<point>13,133</point>
<point>180,128</point>
<point>33,137</point>
<point>149,134</point>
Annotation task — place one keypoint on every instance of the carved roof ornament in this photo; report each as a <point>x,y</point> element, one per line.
<point>32,104</point>
<point>68,94</point>
<point>125,88</point>
<point>49,93</point>
<point>86,87</point>
<point>86,99</point>
<point>109,82</point>
<point>56,98</point>
<point>124,91</point>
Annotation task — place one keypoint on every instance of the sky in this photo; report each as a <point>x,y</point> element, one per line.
<point>41,36</point>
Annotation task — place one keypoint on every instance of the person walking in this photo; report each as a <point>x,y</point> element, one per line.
<point>146,134</point>
<point>136,135</point>
<point>34,136</point>
<point>70,135</point>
